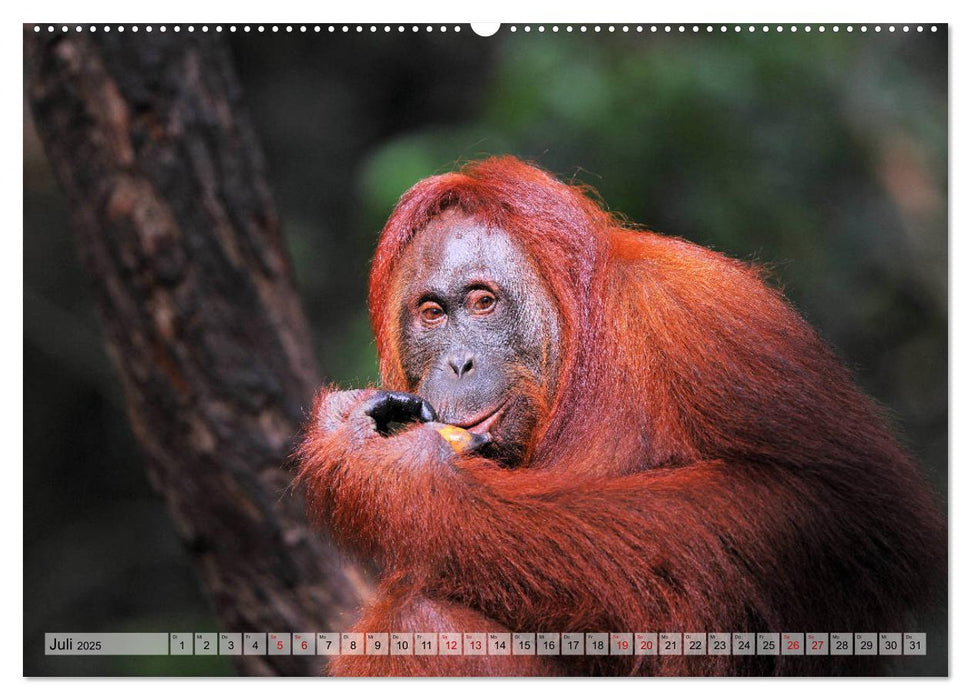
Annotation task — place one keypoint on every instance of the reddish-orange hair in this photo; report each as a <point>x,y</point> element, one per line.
<point>706,463</point>
<point>686,352</point>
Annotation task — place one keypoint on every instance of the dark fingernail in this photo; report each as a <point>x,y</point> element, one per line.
<point>478,440</point>
<point>427,414</point>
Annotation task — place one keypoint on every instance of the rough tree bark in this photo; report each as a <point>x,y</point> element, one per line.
<point>175,224</point>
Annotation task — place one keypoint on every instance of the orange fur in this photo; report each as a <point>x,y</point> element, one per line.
<point>706,463</point>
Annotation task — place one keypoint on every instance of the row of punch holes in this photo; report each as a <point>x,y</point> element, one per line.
<point>347,28</point>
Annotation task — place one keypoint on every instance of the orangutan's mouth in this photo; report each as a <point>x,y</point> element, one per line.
<point>483,423</point>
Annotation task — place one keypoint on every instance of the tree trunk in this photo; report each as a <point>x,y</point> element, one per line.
<point>175,224</point>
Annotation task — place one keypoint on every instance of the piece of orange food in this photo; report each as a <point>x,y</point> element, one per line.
<point>460,439</point>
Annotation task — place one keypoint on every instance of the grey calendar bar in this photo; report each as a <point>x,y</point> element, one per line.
<point>433,643</point>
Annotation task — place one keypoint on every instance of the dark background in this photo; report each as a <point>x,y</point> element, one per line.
<point>823,155</point>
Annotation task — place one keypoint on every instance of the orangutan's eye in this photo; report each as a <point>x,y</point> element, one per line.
<point>481,302</point>
<point>431,313</point>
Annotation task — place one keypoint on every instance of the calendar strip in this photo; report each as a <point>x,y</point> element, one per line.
<point>488,644</point>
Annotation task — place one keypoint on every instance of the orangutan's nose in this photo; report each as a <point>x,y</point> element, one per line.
<point>461,363</point>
